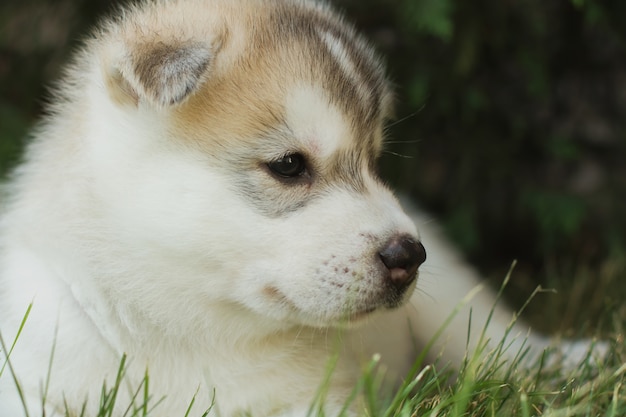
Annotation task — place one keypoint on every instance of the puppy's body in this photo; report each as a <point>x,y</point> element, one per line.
<point>202,199</point>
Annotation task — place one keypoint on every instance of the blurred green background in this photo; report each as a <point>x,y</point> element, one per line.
<point>511,130</point>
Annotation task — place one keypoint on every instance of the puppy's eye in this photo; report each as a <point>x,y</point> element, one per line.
<point>289,166</point>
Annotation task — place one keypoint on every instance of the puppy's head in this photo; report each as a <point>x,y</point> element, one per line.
<point>245,136</point>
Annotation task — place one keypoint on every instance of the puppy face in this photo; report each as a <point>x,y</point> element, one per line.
<point>252,165</point>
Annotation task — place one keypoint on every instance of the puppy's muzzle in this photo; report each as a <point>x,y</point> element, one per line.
<point>402,256</point>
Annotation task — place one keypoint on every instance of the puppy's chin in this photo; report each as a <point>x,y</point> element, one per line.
<point>356,316</point>
<point>347,318</point>
<point>363,316</point>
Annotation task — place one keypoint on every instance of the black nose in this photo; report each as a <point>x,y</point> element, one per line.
<point>402,256</point>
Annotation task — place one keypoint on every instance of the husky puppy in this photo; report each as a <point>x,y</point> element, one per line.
<point>202,198</point>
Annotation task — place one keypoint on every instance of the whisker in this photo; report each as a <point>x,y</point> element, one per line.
<point>399,155</point>
<point>400,142</point>
<point>407,117</point>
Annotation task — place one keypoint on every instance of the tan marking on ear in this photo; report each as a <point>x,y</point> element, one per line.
<point>168,72</point>
<point>163,73</point>
<point>161,52</point>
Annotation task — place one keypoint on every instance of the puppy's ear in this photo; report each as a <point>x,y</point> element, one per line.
<point>161,73</point>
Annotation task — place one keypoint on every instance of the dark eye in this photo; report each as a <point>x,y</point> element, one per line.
<point>289,166</point>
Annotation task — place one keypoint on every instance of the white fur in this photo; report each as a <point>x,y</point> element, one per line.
<point>129,237</point>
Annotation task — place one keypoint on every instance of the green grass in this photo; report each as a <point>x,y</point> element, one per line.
<point>486,385</point>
